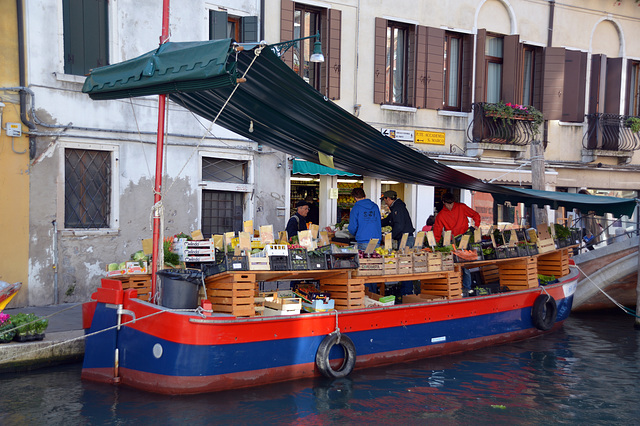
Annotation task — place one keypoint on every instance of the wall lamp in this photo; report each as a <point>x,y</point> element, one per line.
<point>317,56</point>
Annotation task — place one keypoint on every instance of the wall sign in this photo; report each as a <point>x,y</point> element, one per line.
<point>432,138</point>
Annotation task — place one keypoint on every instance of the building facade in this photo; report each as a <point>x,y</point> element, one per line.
<point>427,74</point>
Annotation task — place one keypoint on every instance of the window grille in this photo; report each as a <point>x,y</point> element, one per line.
<point>221,212</point>
<point>87,188</point>
<point>223,170</point>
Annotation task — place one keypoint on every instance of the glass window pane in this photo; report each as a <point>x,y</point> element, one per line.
<point>454,67</point>
<point>223,170</point>
<point>527,77</point>
<point>398,66</point>
<point>494,79</point>
<point>494,47</point>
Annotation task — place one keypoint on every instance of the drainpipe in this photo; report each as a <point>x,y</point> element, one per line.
<point>55,261</point>
<point>23,79</point>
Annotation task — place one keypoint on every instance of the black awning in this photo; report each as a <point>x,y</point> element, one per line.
<point>276,107</point>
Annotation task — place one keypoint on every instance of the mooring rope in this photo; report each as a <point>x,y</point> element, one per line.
<point>619,305</point>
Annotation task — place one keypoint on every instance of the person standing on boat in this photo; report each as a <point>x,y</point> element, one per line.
<point>398,218</point>
<point>298,222</point>
<point>454,217</point>
<point>364,219</point>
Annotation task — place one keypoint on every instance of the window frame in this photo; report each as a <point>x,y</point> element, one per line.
<point>106,44</point>
<point>114,217</point>
<point>488,59</point>
<point>304,45</point>
<point>448,35</point>
<point>389,77</point>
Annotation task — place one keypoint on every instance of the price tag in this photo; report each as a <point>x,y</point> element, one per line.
<point>464,242</point>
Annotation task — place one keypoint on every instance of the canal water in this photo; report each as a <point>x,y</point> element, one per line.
<point>586,373</point>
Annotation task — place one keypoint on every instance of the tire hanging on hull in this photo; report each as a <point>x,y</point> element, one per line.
<point>544,312</point>
<point>322,356</point>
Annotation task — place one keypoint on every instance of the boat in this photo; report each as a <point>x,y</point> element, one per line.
<point>7,292</point>
<point>157,349</point>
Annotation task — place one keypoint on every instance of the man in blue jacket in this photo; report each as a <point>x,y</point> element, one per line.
<point>364,219</point>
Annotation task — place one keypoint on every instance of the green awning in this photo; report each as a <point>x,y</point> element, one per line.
<point>172,67</point>
<point>302,167</point>
<point>583,202</point>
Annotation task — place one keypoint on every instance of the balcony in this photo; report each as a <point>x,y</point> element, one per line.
<point>503,124</point>
<point>611,135</point>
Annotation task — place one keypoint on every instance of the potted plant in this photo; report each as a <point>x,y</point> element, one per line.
<point>509,112</point>
<point>633,123</point>
<point>563,235</point>
<point>7,329</point>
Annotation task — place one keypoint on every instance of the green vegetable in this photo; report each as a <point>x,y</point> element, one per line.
<point>122,265</point>
<point>113,267</point>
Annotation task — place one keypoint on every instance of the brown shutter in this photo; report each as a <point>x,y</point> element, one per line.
<point>481,40</point>
<point>575,72</point>
<point>614,86</point>
<point>286,28</point>
<point>435,68</point>
<point>333,53</point>
<point>597,83</point>
<point>421,67</point>
<point>538,70</point>
<point>553,83</point>
<point>467,72</point>
<point>411,66</point>
<point>512,69</point>
<point>380,62</point>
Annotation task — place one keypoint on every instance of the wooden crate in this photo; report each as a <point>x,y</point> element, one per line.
<point>490,274</point>
<point>449,286</point>
<point>447,262</point>
<point>233,295</point>
<point>420,263</point>
<point>139,282</point>
<point>519,273</point>
<point>259,263</point>
<point>555,263</point>
<point>405,264</point>
<point>390,265</point>
<point>434,262</point>
<point>371,266</point>
<point>347,293</point>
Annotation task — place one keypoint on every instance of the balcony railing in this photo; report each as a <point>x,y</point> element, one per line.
<point>611,132</point>
<point>492,127</point>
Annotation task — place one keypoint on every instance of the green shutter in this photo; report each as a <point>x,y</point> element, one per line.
<point>249,29</point>
<point>217,25</point>
<point>85,35</point>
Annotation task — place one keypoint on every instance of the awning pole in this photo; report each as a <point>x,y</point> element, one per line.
<point>157,190</point>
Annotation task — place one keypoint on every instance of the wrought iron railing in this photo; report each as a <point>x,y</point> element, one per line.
<point>491,127</point>
<point>611,132</point>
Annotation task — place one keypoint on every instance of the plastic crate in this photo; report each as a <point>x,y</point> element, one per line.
<point>298,259</point>
<point>276,250</point>
<point>316,260</point>
<point>279,263</point>
<point>342,261</point>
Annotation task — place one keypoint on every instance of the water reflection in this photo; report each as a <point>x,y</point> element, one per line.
<point>585,373</point>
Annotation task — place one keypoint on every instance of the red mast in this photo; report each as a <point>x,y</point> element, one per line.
<point>159,160</point>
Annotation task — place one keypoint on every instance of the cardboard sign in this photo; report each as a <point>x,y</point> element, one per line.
<point>305,240</point>
<point>543,231</point>
<point>446,239</point>
<point>228,236</point>
<point>324,238</point>
<point>266,234</point>
<point>513,239</point>
<point>237,251</point>
<point>282,237</point>
<point>247,226</point>
<point>477,235</point>
<point>533,236</point>
<point>218,241</point>
<point>371,246</point>
<point>245,240</point>
<point>147,246</point>
<point>464,242</point>
<point>493,240</point>
<point>419,239</point>
<point>314,230</point>
<point>431,239</point>
<point>197,235</point>
<point>388,244</point>
<point>403,241</point>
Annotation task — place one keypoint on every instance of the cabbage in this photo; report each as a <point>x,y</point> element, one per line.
<point>113,267</point>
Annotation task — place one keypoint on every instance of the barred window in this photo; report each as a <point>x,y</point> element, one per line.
<point>87,188</point>
<point>221,212</point>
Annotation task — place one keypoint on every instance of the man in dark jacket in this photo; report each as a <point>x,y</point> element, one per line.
<point>364,219</point>
<point>298,221</point>
<point>398,218</point>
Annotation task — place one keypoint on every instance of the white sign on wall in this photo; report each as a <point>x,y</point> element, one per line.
<point>399,135</point>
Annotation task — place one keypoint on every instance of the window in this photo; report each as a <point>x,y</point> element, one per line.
<point>396,66</point>
<point>224,170</point>
<point>527,76</point>
<point>241,29</point>
<point>222,211</point>
<point>452,71</point>
<point>299,20</point>
<point>633,96</point>
<point>87,188</point>
<point>493,58</point>
<point>85,35</point>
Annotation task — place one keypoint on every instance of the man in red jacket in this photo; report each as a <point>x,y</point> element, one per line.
<point>454,217</point>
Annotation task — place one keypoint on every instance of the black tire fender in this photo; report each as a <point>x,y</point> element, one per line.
<point>543,312</point>
<point>322,356</point>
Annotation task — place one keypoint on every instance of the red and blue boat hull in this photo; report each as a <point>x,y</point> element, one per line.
<point>182,353</point>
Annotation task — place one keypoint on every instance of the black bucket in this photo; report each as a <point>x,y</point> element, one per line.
<point>180,288</point>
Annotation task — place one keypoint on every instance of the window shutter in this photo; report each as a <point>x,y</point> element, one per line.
<point>421,67</point>
<point>217,25</point>
<point>467,72</point>
<point>575,71</point>
<point>614,86</point>
<point>332,50</point>
<point>435,68</point>
<point>538,72</point>
<point>512,70</point>
<point>249,29</point>
<point>553,85</point>
<point>411,66</point>
<point>85,35</point>
<point>597,83</point>
<point>480,66</point>
<point>380,54</point>
<point>286,28</point>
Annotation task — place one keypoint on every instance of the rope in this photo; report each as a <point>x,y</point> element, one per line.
<point>337,330</point>
<point>619,305</point>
